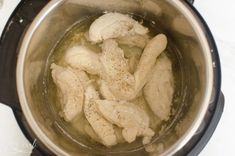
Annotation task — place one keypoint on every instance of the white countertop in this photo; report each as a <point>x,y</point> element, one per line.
<point>220,16</point>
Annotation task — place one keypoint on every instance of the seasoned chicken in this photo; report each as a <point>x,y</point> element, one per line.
<point>159,89</point>
<point>82,58</point>
<point>101,126</point>
<point>120,81</point>
<point>114,25</point>
<point>133,120</point>
<point>70,91</point>
<point>134,40</point>
<point>148,59</point>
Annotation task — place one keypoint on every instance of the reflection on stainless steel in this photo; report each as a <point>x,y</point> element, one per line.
<point>181,25</point>
<point>191,56</point>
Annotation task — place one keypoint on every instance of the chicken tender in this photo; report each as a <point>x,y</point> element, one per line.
<point>70,91</point>
<point>133,120</point>
<point>114,25</point>
<point>159,89</point>
<point>82,58</point>
<point>101,126</point>
<point>148,59</point>
<point>116,74</point>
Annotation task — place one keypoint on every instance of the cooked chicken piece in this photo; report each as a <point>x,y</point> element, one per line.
<point>114,57</point>
<point>148,59</point>
<point>114,25</point>
<point>159,89</point>
<point>105,91</point>
<point>83,77</point>
<point>70,91</point>
<point>120,81</point>
<point>101,126</point>
<point>133,120</point>
<point>134,40</point>
<point>82,58</point>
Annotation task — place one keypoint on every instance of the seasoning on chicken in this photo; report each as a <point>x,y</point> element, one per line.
<point>120,81</point>
<point>101,126</point>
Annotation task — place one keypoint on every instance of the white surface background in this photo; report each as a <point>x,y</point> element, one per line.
<point>220,16</point>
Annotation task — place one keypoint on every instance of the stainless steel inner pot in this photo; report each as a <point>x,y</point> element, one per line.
<point>181,26</point>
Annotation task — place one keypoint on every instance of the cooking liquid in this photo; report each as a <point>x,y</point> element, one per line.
<point>76,130</point>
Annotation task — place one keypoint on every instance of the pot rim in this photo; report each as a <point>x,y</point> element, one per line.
<point>193,19</point>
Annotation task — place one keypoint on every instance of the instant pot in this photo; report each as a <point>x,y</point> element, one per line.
<point>36,26</point>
